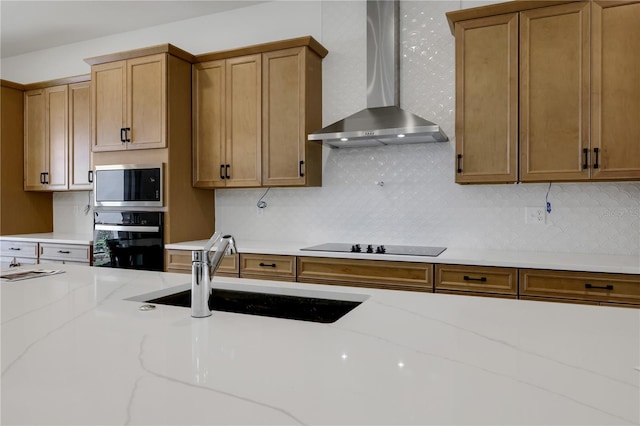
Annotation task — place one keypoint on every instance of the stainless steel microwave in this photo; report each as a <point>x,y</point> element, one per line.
<point>128,185</point>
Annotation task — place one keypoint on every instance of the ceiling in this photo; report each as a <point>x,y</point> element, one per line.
<point>27,26</point>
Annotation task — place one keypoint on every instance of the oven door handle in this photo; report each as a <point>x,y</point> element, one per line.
<point>126,228</point>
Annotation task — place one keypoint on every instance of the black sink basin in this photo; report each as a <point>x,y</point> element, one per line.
<point>267,304</point>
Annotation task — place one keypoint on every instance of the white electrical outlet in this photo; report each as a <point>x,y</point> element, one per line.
<point>535,215</point>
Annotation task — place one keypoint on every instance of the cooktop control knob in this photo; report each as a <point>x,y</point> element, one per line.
<point>369,248</point>
<point>381,250</point>
<point>356,248</point>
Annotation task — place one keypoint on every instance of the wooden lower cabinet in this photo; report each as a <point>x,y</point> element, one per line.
<point>366,273</point>
<point>180,261</point>
<point>268,267</point>
<point>476,280</point>
<point>580,286</point>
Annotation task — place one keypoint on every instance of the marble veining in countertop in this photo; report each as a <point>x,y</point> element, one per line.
<point>452,255</point>
<point>75,351</point>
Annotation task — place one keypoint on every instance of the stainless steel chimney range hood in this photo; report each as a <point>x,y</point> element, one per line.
<point>383,122</point>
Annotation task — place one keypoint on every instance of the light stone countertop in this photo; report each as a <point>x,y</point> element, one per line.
<point>52,237</point>
<point>74,351</point>
<point>459,256</point>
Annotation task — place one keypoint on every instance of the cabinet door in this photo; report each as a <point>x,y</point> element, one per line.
<point>147,102</point>
<point>56,122</point>
<point>615,91</point>
<point>108,93</point>
<point>34,140</point>
<point>243,121</point>
<point>283,122</point>
<point>209,124</point>
<point>80,136</point>
<point>487,99</point>
<point>554,93</point>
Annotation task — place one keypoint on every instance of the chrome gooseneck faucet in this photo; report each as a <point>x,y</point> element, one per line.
<point>204,264</point>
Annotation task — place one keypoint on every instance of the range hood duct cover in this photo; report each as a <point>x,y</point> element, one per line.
<point>383,122</point>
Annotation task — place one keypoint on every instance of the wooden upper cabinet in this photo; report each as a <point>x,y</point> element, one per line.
<point>253,109</point>
<point>615,118</point>
<point>227,117</point>
<point>46,143</point>
<point>487,99</point>
<point>243,121</point>
<point>80,136</point>
<point>129,99</point>
<point>34,140</point>
<point>555,93</point>
<point>209,111</point>
<point>291,108</point>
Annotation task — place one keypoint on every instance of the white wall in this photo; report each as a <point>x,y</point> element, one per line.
<point>419,202</point>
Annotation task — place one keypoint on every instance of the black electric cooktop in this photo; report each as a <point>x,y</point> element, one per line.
<point>378,249</point>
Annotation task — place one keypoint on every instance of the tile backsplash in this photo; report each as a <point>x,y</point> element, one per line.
<point>406,194</point>
<point>72,212</point>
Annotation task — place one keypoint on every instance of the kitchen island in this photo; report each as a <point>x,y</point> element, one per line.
<point>75,350</point>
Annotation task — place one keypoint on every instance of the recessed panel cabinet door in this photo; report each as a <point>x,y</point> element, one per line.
<point>80,135</point>
<point>147,102</point>
<point>487,99</point>
<point>56,99</point>
<point>108,90</point>
<point>555,93</point>
<point>244,121</point>
<point>209,124</point>
<point>283,143</point>
<point>34,140</point>
<point>615,120</point>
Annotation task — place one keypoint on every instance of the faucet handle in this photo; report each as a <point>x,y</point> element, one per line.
<point>231,246</point>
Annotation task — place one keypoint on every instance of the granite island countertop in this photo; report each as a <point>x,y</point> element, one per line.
<point>75,351</point>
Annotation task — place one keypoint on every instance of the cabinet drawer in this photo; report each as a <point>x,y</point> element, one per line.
<point>592,286</point>
<point>478,279</point>
<point>180,261</point>
<point>19,248</point>
<point>5,261</point>
<point>366,273</point>
<point>268,266</point>
<point>72,252</point>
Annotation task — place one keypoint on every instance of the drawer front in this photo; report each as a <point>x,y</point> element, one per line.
<point>479,279</point>
<point>180,261</point>
<point>72,252</point>
<point>5,261</point>
<point>19,248</point>
<point>599,287</point>
<point>366,273</point>
<point>267,265</point>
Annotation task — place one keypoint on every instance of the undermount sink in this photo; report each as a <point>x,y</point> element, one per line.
<point>304,305</point>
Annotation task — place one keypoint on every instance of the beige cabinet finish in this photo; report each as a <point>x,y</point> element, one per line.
<point>615,90</point>
<point>578,95</point>
<point>18,253</point>
<point>45,140</point>
<point>487,99</point>
<point>366,273</point>
<point>21,212</point>
<point>268,266</point>
<point>80,177</point>
<point>252,115</point>
<point>180,261</point>
<point>476,279</point>
<point>581,286</point>
<point>554,93</point>
<point>129,100</point>
<point>57,145</point>
<point>292,108</point>
<point>227,122</point>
